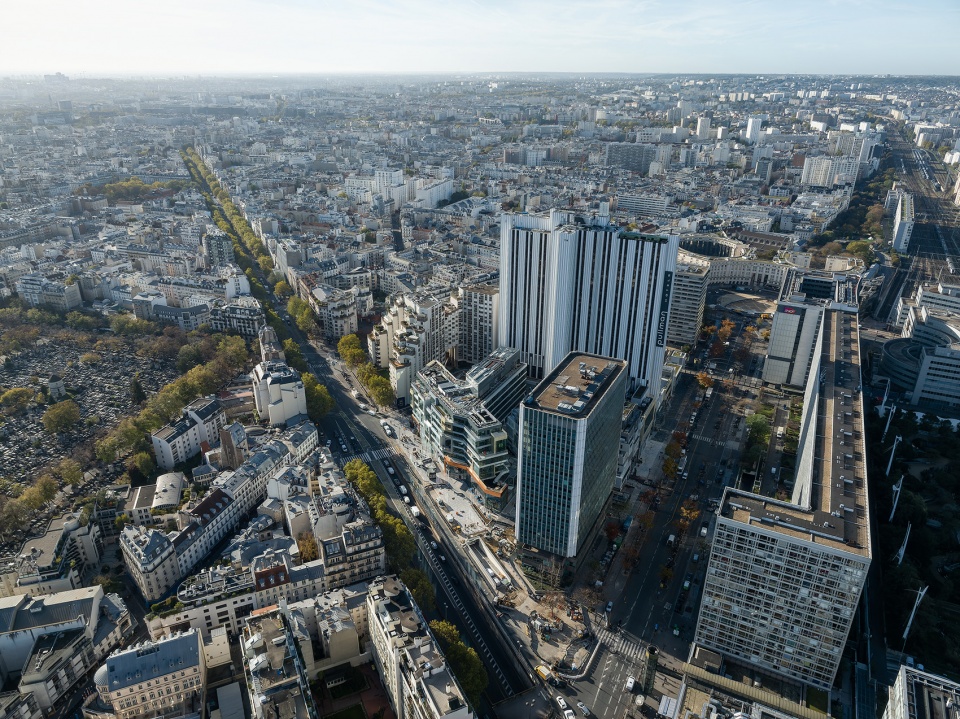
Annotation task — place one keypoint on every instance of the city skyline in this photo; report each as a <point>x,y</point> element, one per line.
<point>415,36</point>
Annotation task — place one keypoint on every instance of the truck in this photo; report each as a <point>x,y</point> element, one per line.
<point>546,675</point>
<point>708,394</point>
<point>415,512</point>
<point>672,541</point>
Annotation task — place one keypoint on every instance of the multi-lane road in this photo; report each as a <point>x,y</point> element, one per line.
<point>365,438</point>
<point>653,605</point>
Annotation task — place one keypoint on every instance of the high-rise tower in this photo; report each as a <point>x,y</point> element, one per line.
<point>569,435</point>
<point>569,283</point>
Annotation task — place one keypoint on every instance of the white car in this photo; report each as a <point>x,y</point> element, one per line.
<point>561,702</point>
<point>630,682</point>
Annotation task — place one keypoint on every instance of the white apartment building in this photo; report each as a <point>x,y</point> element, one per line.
<point>784,578</point>
<point>925,360</point>
<point>223,596</point>
<point>159,678</point>
<point>797,324</point>
<point>278,393</point>
<point>36,290</point>
<point>417,329</point>
<point>829,171</point>
<point>688,300</point>
<point>335,309</point>
<point>430,193</point>
<point>643,204</point>
<point>414,671</point>
<point>84,619</point>
<point>754,126</point>
<point>479,317</point>
<point>243,315</point>
<point>936,296</point>
<point>586,286</point>
<point>55,561</point>
<point>903,223</point>
<point>151,561</point>
<point>202,421</point>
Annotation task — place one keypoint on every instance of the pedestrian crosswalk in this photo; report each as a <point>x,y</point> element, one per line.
<point>369,456</point>
<point>621,643</point>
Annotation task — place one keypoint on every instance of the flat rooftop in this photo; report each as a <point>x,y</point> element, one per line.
<point>576,385</point>
<point>838,515</point>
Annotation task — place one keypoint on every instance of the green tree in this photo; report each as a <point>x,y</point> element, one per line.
<point>381,391</point>
<point>142,462</point>
<point>464,661</point>
<point>445,632</point>
<point>319,400</point>
<point>70,472</point>
<point>294,356</point>
<point>111,585</point>
<point>188,357</point>
<point>758,430</point>
<point>131,326</point>
<point>61,417</point>
<point>120,521</point>
<point>282,289</point>
<point>137,395</point>
<point>307,544</point>
<point>17,399</point>
<point>13,517</point>
<point>420,587</point>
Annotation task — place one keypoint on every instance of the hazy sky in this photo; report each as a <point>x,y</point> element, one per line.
<point>325,36</point>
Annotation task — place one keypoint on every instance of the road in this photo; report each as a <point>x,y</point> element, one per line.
<point>365,439</point>
<point>653,602</point>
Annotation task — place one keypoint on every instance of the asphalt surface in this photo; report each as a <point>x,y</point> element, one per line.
<point>365,438</point>
<point>647,611</point>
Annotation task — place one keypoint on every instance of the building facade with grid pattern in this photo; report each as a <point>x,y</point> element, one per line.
<point>784,578</point>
